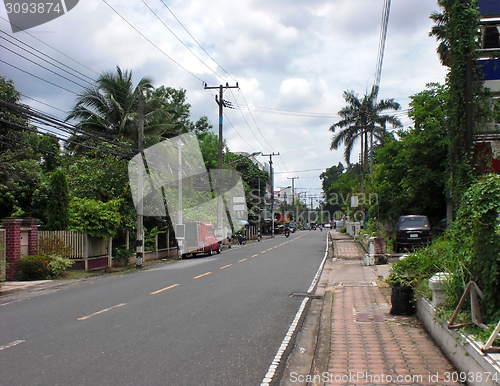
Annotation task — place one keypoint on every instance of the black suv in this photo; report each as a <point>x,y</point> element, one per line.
<point>412,231</point>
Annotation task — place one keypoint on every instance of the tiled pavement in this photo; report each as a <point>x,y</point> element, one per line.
<point>369,346</point>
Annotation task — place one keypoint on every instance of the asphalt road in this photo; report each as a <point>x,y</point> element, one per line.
<point>203,321</point>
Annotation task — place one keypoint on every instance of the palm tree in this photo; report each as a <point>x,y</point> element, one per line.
<point>360,118</point>
<point>439,30</point>
<point>110,110</point>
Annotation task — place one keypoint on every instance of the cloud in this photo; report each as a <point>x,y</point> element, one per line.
<point>286,55</point>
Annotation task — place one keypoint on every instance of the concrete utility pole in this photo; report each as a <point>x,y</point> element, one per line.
<point>272,189</point>
<point>140,227</point>
<point>221,104</point>
<point>293,189</point>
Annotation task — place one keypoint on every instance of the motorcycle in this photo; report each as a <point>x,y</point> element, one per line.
<point>287,232</point>
<point>241,239</point>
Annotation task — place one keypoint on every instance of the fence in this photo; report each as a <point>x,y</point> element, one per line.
<point>88,252</point>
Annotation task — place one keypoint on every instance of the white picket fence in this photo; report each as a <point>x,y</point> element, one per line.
<point>88,252</point>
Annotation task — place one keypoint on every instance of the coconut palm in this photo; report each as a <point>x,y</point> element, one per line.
<point>439,30</point>
<point>362,118</point>
<point>110,111</point>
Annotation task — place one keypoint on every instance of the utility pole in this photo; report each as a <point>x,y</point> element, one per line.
<point>272,189</point>
<point>140,228</point>
<point>221,104</point>
<point>293,189</point>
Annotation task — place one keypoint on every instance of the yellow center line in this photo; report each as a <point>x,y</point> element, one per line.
<point>263,252</point>
<point>100,312</point>
<point>276,246</point>
<point>242,260</point>
<point>270,249</point>
<point>164,289</point>
<point>205,274</point>
<point>255,255</point>
<point>226,266</point>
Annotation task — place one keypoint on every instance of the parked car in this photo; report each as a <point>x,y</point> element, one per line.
<point>413,230</point>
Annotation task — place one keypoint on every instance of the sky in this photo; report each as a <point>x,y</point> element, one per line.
<point>292,59</point>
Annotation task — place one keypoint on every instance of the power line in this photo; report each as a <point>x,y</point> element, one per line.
<point>35,76</point>
<point>55,49</point>
<point>150,42</point>
<point>39,65</point>
<point>383,38</point>
<point>48,56</point>
<point>196,41</point>
<point>173,33</point>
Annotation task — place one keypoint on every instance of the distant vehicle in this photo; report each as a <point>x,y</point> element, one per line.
<point>200,239</point>
<point>412,231</point>
<point>326,225</point>
<point>291,226</point>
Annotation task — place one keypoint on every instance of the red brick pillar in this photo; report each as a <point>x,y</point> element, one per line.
<point>32,223</point>
<point>12,228</point>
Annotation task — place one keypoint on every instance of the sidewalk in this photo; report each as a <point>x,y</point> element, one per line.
<point>359,341</point>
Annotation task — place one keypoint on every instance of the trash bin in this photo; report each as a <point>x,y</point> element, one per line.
<point>402,302</point>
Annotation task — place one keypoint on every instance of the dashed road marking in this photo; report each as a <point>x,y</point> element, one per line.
<point>242,260</point>
<point>15,343</point>
<point>205,274</point>
<point>100,312</point>
<point>164,289</point>
<point>226,266</point>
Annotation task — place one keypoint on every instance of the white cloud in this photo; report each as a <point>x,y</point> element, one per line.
<point>286,54</point>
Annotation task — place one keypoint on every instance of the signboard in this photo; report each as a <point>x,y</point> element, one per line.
<point>489,7</point>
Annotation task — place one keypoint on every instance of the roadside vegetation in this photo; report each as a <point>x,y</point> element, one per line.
<point>426,167</point>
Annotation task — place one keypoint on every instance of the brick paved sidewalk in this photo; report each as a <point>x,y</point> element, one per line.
<point>345,248</point>
<point>369,346</point>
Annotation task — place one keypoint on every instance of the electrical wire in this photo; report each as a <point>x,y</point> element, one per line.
<point>150,42</point>
<point>196,41</point>
<point>48,56</point>
<point>55,49</point>
<point>189,49</point>
<point>39,65</point>
<point>37,77</point>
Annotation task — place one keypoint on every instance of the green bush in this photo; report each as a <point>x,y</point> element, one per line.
<point>41,267</point>
<point>122,253</point>
<point>415,269</point>
<point>33,267</point>
<point>54,245</point>
<point>58,265</point>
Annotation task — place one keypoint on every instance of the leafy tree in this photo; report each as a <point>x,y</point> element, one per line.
<point>97,218</point>
<point>24,157</point>
<point>58,216</point>
<point>329,178</point>
<point>410,172</point>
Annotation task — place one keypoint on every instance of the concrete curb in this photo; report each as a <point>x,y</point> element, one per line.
<point>463,352</point>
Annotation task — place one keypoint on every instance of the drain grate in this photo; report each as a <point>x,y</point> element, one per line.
<point>304,295</point>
